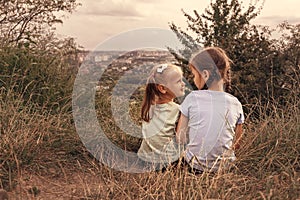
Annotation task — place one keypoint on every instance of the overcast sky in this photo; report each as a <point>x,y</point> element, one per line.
<point>97,21</point>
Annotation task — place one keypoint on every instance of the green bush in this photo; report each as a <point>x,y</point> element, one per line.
<point>42,77</point>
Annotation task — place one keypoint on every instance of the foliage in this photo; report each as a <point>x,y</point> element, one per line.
<point>219,25</point>
<point>27,20</point>
<point>288,46</point>
<point>33,61</point>
<point>260,63</point>
<point>37,74</point>
<point>43,77</point>
<point>41,155</point>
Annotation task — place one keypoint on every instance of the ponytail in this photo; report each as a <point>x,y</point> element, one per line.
<point>228,81</point>
<point>149,98</point>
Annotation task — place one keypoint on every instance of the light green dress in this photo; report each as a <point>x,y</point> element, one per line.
<point>159,145</point>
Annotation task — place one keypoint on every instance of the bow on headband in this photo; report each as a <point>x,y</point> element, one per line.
<point>161,68</point>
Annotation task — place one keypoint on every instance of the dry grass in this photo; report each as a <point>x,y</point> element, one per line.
<point>42,158</point>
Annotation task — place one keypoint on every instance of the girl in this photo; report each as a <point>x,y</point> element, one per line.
<point>211,118</point>
<point>160,114</point>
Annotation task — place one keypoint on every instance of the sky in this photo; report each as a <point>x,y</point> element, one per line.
<point>107,22</point>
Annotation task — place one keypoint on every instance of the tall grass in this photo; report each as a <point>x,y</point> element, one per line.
<point>35,115</point>
<point>267,165</point>
<point>39,144</point>
<point>27,132</point>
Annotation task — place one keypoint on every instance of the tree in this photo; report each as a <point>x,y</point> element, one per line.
<point>288,58</point>
<point>25,20</point>
<point>33,61</point>
<point>227,24</point>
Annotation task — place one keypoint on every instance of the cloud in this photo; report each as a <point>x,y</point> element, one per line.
<point>114,8</point>
<point>276,19</point>
<point>147,1</point>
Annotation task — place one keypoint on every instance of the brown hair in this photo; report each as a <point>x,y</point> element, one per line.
<point>157,76</point>
<point>214,60</point>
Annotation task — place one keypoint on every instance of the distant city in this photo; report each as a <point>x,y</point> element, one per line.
<point>129,68</point>
<point>121,60</point>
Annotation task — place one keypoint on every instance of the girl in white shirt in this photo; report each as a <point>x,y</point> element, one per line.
<point>160,114</point>
<point>211,120</point>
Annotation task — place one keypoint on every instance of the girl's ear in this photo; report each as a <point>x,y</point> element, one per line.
<point>162,89</point>
<point>205,75</point>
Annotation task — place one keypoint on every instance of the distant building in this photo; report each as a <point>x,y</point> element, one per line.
<point>101,58</point>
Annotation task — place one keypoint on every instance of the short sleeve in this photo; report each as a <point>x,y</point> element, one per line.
<point>186,104</point>
<point>241,118</point>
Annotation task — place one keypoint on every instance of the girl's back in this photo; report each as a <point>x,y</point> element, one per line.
<point>212,121</point>
<point>211,118</point>
<point>159,144</point>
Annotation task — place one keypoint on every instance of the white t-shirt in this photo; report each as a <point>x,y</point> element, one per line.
<point>159,144</point>
<point>213,116</point>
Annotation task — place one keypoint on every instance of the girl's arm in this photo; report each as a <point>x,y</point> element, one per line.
<point>182,129</point>
<point>238,136</point>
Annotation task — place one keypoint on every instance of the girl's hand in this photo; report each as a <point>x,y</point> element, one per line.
<point>238,135</point>
<point>236,146</point>
<point>182,129</point>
